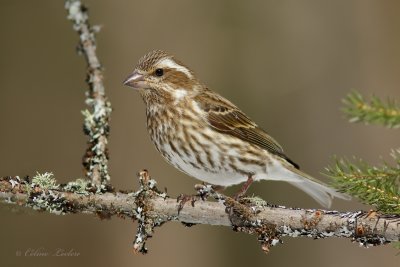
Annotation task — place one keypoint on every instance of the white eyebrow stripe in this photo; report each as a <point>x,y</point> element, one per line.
<point>168,62</point>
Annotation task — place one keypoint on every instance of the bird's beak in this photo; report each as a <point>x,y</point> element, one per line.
<point>135,80</point>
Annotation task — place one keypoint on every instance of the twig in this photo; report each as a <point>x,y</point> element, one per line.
<point>153,208</point>
<point>96,123</point>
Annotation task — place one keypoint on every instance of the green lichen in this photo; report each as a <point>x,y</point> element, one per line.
<point>43,194</point>
<point>254,200</point>
<point>49,201</point>
<point>78,186</point>
<point>45,181</point>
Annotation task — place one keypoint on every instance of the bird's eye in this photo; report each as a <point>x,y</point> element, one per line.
<point>159,72</point>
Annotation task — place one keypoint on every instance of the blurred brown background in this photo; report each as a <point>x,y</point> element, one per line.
<point>287,64</point>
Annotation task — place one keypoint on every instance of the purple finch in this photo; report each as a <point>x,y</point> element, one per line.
<point>206,136</point>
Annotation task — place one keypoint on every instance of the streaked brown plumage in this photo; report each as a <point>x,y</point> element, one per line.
<point>206,136</point>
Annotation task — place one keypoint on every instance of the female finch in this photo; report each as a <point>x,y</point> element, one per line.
<point>206,136</point>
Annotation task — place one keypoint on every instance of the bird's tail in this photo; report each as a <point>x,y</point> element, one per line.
<point>318,190</point>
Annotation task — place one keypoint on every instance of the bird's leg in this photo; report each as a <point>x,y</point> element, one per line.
<point>244,188</point>
<point>236,205</point>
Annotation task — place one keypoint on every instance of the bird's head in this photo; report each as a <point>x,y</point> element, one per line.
<point>160,73</point>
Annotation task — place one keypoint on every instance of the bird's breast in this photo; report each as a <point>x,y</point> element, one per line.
<point>196,149</point>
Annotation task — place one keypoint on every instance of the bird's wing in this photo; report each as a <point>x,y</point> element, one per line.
<point>226,118</point>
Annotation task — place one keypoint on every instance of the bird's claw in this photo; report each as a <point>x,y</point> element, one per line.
<point>183,199</point>
<point>203,192</point>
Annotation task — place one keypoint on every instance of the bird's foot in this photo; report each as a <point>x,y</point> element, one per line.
<point>183,199</point>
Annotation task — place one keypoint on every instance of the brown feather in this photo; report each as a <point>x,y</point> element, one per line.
<point>226,118</point>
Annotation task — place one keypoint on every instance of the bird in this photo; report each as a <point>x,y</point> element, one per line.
<point>206,136</point>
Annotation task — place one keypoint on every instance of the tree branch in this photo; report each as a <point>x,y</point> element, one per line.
<point>152,208</point>
<point>96,123</point>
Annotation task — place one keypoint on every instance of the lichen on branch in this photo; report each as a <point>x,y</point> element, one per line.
<point>97,118</point>
<point>152,208</point>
